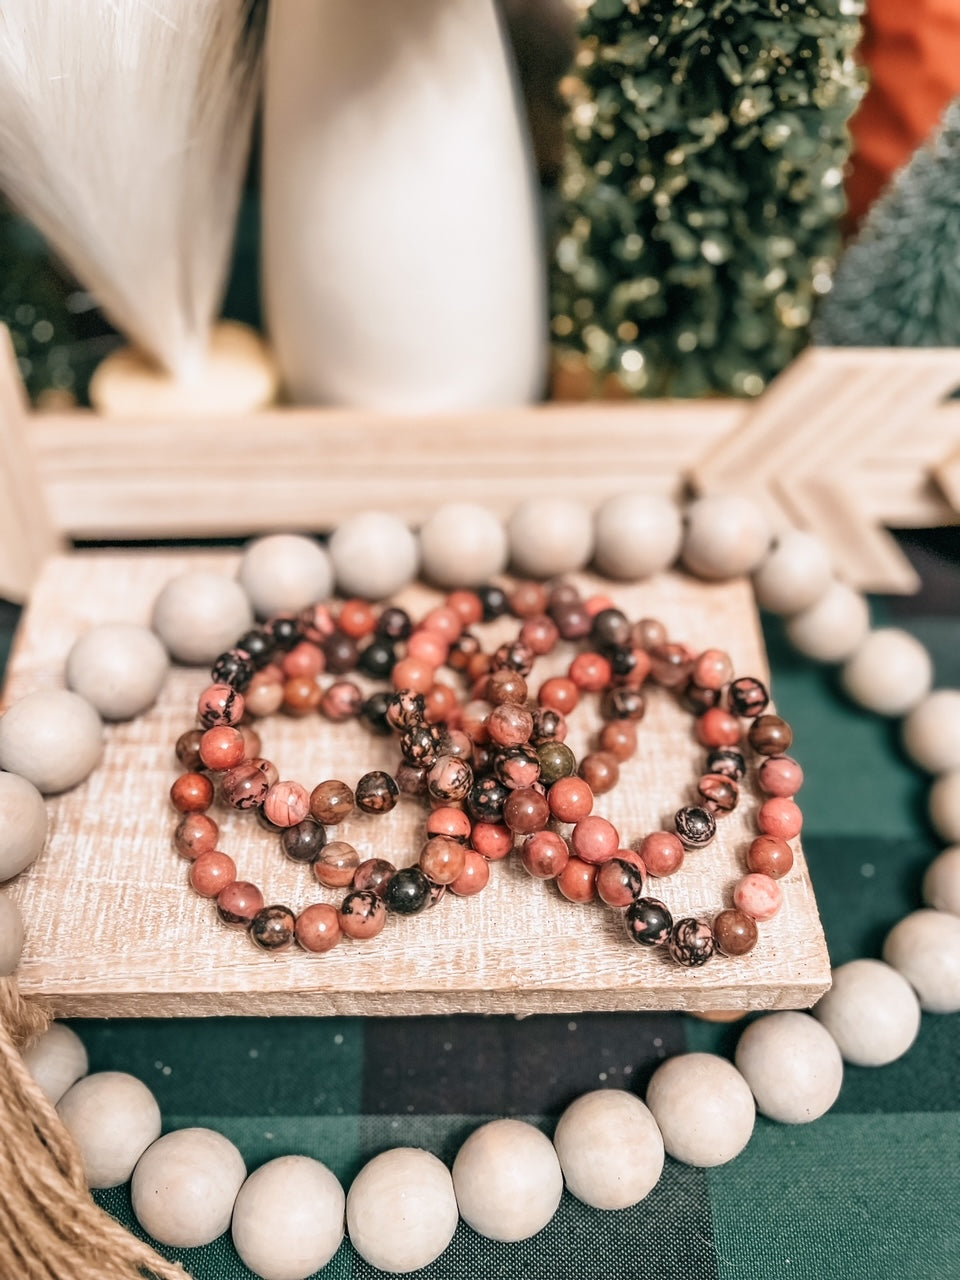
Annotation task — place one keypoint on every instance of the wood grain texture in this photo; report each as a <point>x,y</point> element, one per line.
<point>948,475</point>
<point>113,929</point>
<point>844,443</point>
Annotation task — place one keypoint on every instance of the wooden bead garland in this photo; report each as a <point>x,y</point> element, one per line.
<point>794,1040</point>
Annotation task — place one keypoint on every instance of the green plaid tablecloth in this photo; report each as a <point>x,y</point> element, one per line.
<point>870,1192</point>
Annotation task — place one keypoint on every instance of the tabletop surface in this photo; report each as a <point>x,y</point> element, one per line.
<point>869,1191</point>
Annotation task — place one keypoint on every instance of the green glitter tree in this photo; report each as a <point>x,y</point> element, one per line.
<point>704,188</point>
<point>898,285</point>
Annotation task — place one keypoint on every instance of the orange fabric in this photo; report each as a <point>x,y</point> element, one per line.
<point>911,49</point>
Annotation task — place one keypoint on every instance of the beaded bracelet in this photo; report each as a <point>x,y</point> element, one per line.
<point>511,769</point>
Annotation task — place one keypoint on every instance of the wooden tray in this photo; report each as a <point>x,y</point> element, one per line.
<point>114,930</point>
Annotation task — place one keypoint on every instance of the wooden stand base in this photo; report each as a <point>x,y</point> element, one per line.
<point>114,929</point>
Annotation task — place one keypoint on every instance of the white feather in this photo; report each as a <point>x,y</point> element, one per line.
<point>124,132</point>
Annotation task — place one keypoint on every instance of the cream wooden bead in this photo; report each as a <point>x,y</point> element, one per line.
<point>508,1180</point>
<point>11,936</point>
<point>890,672</point>
<point>941,884</point>
<point>374,555</point>
<point>704,1108</point>
<point>401,1210</point>
<point>199,614</point>
<point>833,628</point>
<point>610,1149</point>
<point>943,803</point>
<point>113,1117</point>
<point>119,668</point>
<point>51,737</point>
<point>726,535</point>
<point>23,824</point>
<point>288,1218</point>
<point>931,732</point>
<point>283,573</point>
<point>185,1185</point>
<point>793,1066</point>
<point>794,574</point>
<point>549,536</point>
<point>57,1060</point>
<point>463,545</point>
<point>636,535</point>
<point>925,947</point>
<point>871,1012</point>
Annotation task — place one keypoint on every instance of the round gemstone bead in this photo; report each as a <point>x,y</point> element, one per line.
<point>720,794</point>
<point>623,703</point>
<point>286,804</point>
<point>509,725</point>
<point>336,864</point>
<point>594,839</point>
<point>517,767</point>
<point>769,856</point>
<point>187,750</point>
<point>211,872</point>
<point>526,811</point>
<point>712,670</point>
<point>272,928</point>
<point>374,875</point>
<point>492,839</point>
<point>734,932</point>
<point>770,735</point>
<point>486,799</point>
<point>245,786</point>
<point>691,942</point>
<point>377,792</point>
<point>758,896</point>
<point>544,854</point>
<point>556,761</point>
<point>222,748</point>
<point>570,799</point>
<point>474,876</point>
<point>578,881</point>
<point>304,841</point>
<point>662,853</point>
<point>600,771</point>
<point>619,738</point>
<point>780,776</point>
<point>442,859</point>
<point>192,793</point>
<point>318,928</point>
<point>220,704</point>
<point>407,892</point>
<point>449,822</point>
<point>362,914</point>
<point>238,903</point>
<point>718,728</point>
<point>780,817</point>
<point>648,922</point>
<point>619,882</point>
<point>728,761</point>
<point>747,697</point>
<point>695,826</point>
<point>196,833</point>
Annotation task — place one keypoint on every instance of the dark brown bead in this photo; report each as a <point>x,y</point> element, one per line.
<point>526,811</point>
<point>747,697</point>
<point>671,665</point>
<point>622,704</point>
<point>600,771</point>
<point>719,793</point>
<point>697,700</point>
<point>611,628</point>
<point>272,928</point>
<point>735,932</point>
<point>465,647</point>
<point>695,826</point>
<point>648,633</point>
<point>562,594</point>
<point>238,903</point>
<point>516,656</point>
<point>331,802</point>
<point>619,738</point>
<point>770,856</point>
<point>770,736</point>
<point>192,793</point>
<point>573,621</point>
<point>304,841</point>
<point>506,685</point>
<point>188,750</point>
<point>341,653</point>
<point>412,779</point>
<point>196,833</point>
<point>373,875</point>
<point>728,761</point>
<point>377,792</point>
<point>420,745</point>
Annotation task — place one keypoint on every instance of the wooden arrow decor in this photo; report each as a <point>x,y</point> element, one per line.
<point>844,443</point>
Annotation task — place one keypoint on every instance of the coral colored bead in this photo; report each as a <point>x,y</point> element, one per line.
<point>770,857</point>
<point>301,695</point>
<point>445,622</point>
<point>718,728</point>
<point>412,673</point>
<point>594,839</point>
<point>337,865</point>
<point>578,881</point>
<point>591,672</point>
<point>238,903</point>
<point>267,768</point>
<point>670,664</point>
<point>318,928</point>
<point>196,833</point>
<point>506,686</point>
<point>619,882</point>
<point>286,804</point>
<point>440,704</point>
<point>529,599</point>
<point>428,646</point>
<point>474,720</point>
<point>212,872</point>
<point>374,874</point>
<point>540,634</point>
<point>544,855</point>
<point>492,839</point>
<point>570,799</point>
<point>526,811</point>
<point>619,738</point>
<point>341,701</point>
<point>662,853</point>
<point>442,859</point>
<point>304,659</point>
<point>712,670</point>
<point>222,748</point>
<point>559,693</point>
<point>220,704</point>
<point>357,618</point>
<point>449,822</point>
<point>597,604</point>
<point>467,605</point>
<point>192,793</point>
<point>473,878</point>
<point>780,776</point>
<point>509,725</point>
<point>758,896</point>
<point>780,817</point>
<point>362,914</point>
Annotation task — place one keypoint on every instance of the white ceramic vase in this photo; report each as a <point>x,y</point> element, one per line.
<point>403,265</point>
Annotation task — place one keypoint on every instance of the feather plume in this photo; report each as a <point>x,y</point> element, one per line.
<point>124,133</point>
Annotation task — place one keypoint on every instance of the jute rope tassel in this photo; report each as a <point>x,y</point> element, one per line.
<point>50,1228</point>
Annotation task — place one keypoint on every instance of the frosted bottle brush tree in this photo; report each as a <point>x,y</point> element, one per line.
<point>898,285</point>
<point>704,187</point>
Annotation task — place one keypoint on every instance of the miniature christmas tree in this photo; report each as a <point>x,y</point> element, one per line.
<point>704,187</point>
<point>898,285</point>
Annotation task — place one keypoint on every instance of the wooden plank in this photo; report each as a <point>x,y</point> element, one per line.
<point>113,929</point>
<point>948,476</point>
